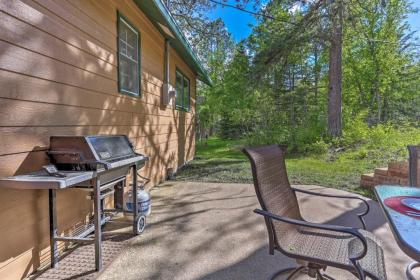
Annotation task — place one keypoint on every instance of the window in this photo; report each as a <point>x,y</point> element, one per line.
<point>128,58</point>
<point>182,91</point>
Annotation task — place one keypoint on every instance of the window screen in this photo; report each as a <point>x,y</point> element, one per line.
<point>128,58</point>
<point>183,91</point>
<point>179,89</point>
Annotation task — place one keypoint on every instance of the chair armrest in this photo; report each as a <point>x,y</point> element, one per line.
<point>360,215</point>
<point>349,230</point>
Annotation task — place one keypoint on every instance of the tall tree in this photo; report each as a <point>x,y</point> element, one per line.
<point>203,33</point>
<point>308,23</point>
<point>309,68</point>
<point>379,35</point>
<point>335,73</point>
<point>214,46</point>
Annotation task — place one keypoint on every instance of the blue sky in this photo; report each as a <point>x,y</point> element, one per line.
<point>238,22</point>
<point>414,19</point>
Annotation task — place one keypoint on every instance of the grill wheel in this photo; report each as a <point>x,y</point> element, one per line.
<point>141,225</point>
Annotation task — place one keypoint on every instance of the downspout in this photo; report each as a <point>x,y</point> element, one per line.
<point>166,74</point>
<point>166,86</point>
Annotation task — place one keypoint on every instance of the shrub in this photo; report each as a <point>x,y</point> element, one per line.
<point>267,137</point>
<point>228,129</point>
<point>319,147</point>
<point>355,131</point>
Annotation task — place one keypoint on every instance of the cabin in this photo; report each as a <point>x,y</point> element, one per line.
<point>86,67</point>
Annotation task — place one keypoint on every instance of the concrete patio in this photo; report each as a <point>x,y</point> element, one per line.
<point>208,231</point>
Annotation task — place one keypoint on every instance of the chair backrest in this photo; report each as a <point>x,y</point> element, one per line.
<point>273,188</point>
<point>414,165</point>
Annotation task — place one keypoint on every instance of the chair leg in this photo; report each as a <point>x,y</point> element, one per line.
<point>324,276</point>
<point>293,274</point>
<point>291,270</point>
<point>319,276</point>
<point>295,270</point>
<point>410,267</point>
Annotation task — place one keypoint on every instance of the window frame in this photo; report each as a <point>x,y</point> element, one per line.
<point>124,20</point>
<point>182,107</point>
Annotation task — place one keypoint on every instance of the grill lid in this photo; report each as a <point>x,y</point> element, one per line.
<point>90,149</point>
<point>111,147</point>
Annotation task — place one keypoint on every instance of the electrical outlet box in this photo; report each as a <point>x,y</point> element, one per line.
<point>168,94</point>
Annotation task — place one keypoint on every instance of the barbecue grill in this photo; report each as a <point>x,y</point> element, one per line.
<point>99,164</point>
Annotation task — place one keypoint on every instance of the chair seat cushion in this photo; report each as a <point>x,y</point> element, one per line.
<point>335,249</point>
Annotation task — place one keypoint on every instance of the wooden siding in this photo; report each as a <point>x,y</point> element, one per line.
<point>58,76</point>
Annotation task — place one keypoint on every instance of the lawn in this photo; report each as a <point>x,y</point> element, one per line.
<point>220,160</point>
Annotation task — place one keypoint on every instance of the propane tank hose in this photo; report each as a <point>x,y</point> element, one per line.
<point>146,180</point>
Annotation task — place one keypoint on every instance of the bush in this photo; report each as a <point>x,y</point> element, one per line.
<point>267,137</point>
<point>227,129</point>
<point>380,143</point>
<point>355,131</point>
<point>308,137</point>
<point>359,154</point>
<point>319,147</point>
<point>384,143</point>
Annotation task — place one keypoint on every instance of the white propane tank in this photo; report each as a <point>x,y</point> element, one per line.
<point>144,202</point>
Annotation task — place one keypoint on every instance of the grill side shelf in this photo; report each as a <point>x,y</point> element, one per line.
<point>39,180</point>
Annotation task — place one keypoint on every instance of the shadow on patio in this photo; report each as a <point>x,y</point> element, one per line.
<point>208,231</point>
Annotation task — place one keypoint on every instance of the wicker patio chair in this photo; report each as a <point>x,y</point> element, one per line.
<point>314,246</point>
<point>414,165</point>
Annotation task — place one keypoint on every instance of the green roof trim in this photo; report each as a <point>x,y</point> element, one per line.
<point>157,12</point>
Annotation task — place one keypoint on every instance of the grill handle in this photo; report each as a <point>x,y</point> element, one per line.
<point>104,163</point>
<point>71,153</point>
<point>77,154</point>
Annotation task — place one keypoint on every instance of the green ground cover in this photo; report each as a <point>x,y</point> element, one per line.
<point>221,161</point>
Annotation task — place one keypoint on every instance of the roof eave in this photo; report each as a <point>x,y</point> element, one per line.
<point>157,12</point>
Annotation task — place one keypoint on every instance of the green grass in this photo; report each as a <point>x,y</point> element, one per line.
<point>218,148</point>
<point>223,161</point>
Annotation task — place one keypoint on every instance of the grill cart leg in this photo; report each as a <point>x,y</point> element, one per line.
<point>53,227</point>
<point>135,211</point>
<point>98,228</point>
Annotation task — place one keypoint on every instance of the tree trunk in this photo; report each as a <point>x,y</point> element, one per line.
<point>292,103</point>
<point>335,71</point>
<point>317,72</point>
<point>379,101</point>
<point>377,89</point>
<point>277,89</point>
<point>376,83</point>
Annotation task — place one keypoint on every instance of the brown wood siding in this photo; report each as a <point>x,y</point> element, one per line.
<point>58,76</point>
